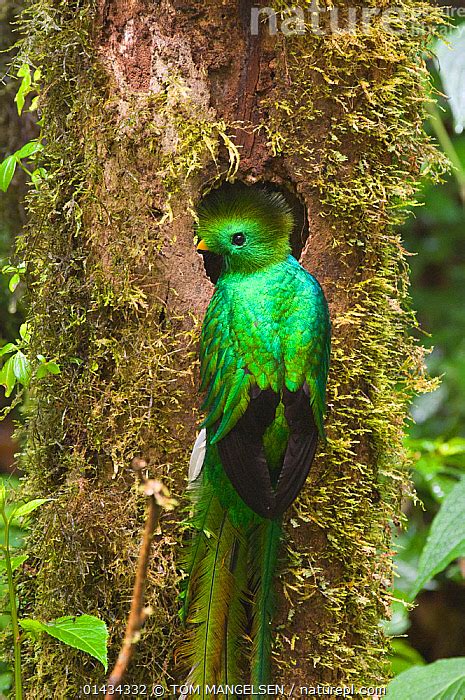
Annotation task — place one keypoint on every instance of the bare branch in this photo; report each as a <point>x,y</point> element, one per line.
<point>158,497</point>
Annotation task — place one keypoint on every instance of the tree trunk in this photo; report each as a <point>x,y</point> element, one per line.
<point>145,105</point>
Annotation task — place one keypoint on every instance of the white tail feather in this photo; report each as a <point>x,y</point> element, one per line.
<point>198,455</point>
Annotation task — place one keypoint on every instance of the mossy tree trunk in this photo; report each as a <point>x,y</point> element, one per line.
<point>146,104</point>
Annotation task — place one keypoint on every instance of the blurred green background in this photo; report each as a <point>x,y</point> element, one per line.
<point>434,234</point>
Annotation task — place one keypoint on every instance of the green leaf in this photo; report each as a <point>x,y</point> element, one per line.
<point>2,495</point>
<point>7,170</point>
<point>41,371</point>
<point>24,72</point>
<point>25,87</point>
<point>18,561</point>
<point>6,679</point>
<point>441,680</point>
<point>25,332</point>
<point>9,347</point>
<point>451,59</point>
<point>14,561</point>
<point>48,368</point>
<point>21,367</point>
<point>446,540</point>
<point>86,633</point>
<point>404,656</point>
<point>7,376</point>
<point>38,175</point>
<point>20,98</point>
<point>29,149</point>
<point>34,103</point>
<point>14,281</point>
<point>28,507</point>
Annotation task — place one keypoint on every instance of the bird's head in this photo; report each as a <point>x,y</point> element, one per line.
<point>249,227</point>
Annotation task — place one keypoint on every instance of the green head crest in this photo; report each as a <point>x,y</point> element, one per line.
<point>248,226</point>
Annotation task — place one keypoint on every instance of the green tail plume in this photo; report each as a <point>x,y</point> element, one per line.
<point>230,565</point>
<point>196,548</point>
<point>233,670</point>
<point>213,601</point>
<point>263,553</point>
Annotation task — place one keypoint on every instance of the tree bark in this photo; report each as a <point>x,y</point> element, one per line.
<point>146,105</point>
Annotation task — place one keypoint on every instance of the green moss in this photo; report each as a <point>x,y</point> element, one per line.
<point>345,118</point>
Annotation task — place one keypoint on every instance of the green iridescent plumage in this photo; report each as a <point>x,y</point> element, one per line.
<point>264,354</point>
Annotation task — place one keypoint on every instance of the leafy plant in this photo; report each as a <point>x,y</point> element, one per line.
<point>16,271</point>
<point>440,476</point>
<point>30,82</point>
<point>85,632</point>
<point>446,540</point>
<point>441,680</point>
<point>434,537</point>
<point>8,166</point>
<point>17,368</point>
<point>10,564</point>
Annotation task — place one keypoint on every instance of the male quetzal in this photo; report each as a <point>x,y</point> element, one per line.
<point>264,355</point>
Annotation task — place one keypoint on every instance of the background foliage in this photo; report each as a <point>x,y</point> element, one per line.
<point>434,235</point>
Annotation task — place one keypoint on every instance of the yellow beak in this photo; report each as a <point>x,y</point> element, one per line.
<point>202,246</point>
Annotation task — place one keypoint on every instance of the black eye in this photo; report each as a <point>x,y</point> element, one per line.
<point>238,239</point>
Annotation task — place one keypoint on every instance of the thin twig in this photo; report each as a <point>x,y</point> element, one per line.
<point>157,499</point>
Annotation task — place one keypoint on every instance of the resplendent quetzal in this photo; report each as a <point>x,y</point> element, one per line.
<point>264,354</point>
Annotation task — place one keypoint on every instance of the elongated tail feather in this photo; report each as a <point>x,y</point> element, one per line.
<point>233,672</point>
<point>263,553</point>
<point>195,551</point>
<point>212,591</point>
